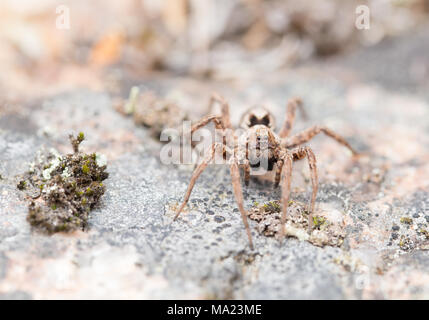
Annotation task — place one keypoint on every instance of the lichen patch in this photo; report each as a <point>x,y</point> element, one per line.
<point>324,231</point>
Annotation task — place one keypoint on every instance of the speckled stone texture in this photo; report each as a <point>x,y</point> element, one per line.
<point>134,250</point>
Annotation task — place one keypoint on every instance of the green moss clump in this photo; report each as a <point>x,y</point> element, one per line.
<point>80,136</point>
<point>73,189</point>
<point>405,243</point>
<point>85,169</point>
<point>76,141</point>
<point>319,221</point>
<point>406,220</point>
<point>272,206</point>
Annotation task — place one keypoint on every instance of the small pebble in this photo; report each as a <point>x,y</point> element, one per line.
<point>217,230</point>
<point>219,219</point>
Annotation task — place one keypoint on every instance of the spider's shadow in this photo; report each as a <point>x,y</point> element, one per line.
<point>260,188</point>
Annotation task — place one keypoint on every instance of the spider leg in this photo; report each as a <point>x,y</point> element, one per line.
<point>246,167</point>
<point>235,177</point>
<point>217,120</point>
<point>197,172</point>
<point>206,120</point>
<point>290,116</point>
<point>224,108</point>
<point>286,177</point>
<point>309,133</point>
<point>278,173</point>
<point>299,154</point>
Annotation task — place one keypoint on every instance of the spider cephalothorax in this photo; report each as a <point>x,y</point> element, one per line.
<point>258,146</point>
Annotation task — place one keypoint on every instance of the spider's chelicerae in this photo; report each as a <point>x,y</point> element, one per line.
<point>246,149</point>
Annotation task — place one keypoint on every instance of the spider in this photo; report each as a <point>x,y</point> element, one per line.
<point>280,151</point>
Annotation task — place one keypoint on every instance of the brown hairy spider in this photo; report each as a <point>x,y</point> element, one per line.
<point>280,152</point>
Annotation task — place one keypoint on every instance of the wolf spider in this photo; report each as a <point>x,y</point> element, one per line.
<point>281,151</point>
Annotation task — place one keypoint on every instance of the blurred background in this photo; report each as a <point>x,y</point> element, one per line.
<point>64,44</point>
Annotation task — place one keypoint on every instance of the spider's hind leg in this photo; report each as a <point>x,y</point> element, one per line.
<point>292,105</point>
<point>309,133</point>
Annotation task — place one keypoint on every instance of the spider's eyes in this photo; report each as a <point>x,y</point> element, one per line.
<point>266,120</point>
<point>253,120</point>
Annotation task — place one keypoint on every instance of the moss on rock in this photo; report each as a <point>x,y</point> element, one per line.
<point>67,195</point>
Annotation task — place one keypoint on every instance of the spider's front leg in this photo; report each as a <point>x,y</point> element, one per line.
<point>238,192</point>
<point>279,167</point>
<point>286,177</point>
<point>246,169</point>
<point>217,120</point>
<point>197,172</point>
<point>285,166</point>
